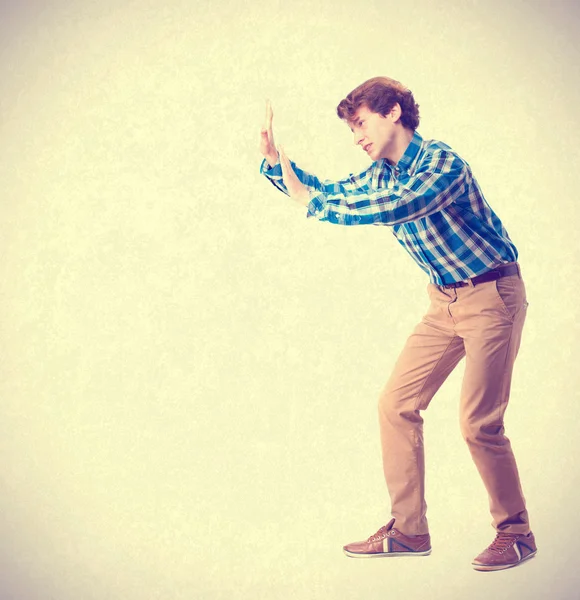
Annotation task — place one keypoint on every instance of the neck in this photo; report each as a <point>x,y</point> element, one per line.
<point>401,142</point>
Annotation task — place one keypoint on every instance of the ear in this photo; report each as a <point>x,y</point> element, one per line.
<point>396,112</point>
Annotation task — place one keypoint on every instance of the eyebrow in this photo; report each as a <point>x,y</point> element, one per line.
<point>354,120</point>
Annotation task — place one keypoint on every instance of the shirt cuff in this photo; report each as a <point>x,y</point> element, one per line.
<point>316,206</point>
<point>274,172</point>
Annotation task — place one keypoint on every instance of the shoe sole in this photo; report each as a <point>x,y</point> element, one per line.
<point>479,567</point>
<point>385,554</point>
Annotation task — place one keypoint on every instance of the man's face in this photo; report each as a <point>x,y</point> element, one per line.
<point>373,132</point>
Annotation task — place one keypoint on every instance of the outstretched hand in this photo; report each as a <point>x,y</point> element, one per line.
<point>267,146</point>
<point>297,190</point>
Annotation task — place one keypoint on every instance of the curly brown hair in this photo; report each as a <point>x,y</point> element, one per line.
<point>380,94</point>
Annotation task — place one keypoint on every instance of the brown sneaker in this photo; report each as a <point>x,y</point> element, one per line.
<point>388,541</point>
<point>507,550</point>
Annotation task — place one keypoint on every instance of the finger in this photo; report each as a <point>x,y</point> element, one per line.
<point>283,161</point>
<point>268,120</point>
<point>269,114</point>
<point>287,171</point>
<point>283,158</point>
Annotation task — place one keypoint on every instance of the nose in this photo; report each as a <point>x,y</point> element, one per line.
<point>358,137</point>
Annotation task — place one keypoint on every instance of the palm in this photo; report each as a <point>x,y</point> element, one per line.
<point>267,146</point>
<point>296,189</point>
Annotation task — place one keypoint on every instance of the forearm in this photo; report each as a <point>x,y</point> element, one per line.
<point>386,207</point>
<point>350,184</point>
<point>274,174</point>
<point>420,195</point>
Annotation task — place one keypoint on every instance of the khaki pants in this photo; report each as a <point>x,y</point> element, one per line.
<point>483,323</point>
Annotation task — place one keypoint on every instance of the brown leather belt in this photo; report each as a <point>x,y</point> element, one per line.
<point>497,273</point>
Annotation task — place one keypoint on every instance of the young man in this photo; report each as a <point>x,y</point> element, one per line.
<point>427,194</point>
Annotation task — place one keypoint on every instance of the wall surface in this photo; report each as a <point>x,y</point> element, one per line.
<point>190,368</point>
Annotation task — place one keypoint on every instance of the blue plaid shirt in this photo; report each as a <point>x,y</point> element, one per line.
<point>430,199</point>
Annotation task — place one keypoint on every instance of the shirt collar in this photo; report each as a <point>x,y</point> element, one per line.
<point>411,153</point>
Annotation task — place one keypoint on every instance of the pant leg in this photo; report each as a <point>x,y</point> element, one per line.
<point>490,322</point>
<point>428,357</point>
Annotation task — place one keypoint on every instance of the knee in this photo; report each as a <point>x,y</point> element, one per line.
<point>476,433</point>
<point>388,403</point>
<point>394,409</point>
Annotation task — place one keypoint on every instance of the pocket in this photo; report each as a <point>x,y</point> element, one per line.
<point>511,294</point>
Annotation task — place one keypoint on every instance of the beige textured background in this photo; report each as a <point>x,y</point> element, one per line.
<point>189,368</point>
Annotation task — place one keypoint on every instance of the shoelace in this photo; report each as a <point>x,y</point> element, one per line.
<point>379,535</point>
<point>502,542</point>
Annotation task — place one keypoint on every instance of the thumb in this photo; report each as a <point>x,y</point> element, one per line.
<point>283,157</point>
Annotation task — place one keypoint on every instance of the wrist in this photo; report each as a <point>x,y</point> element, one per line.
<point>272,159</point>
